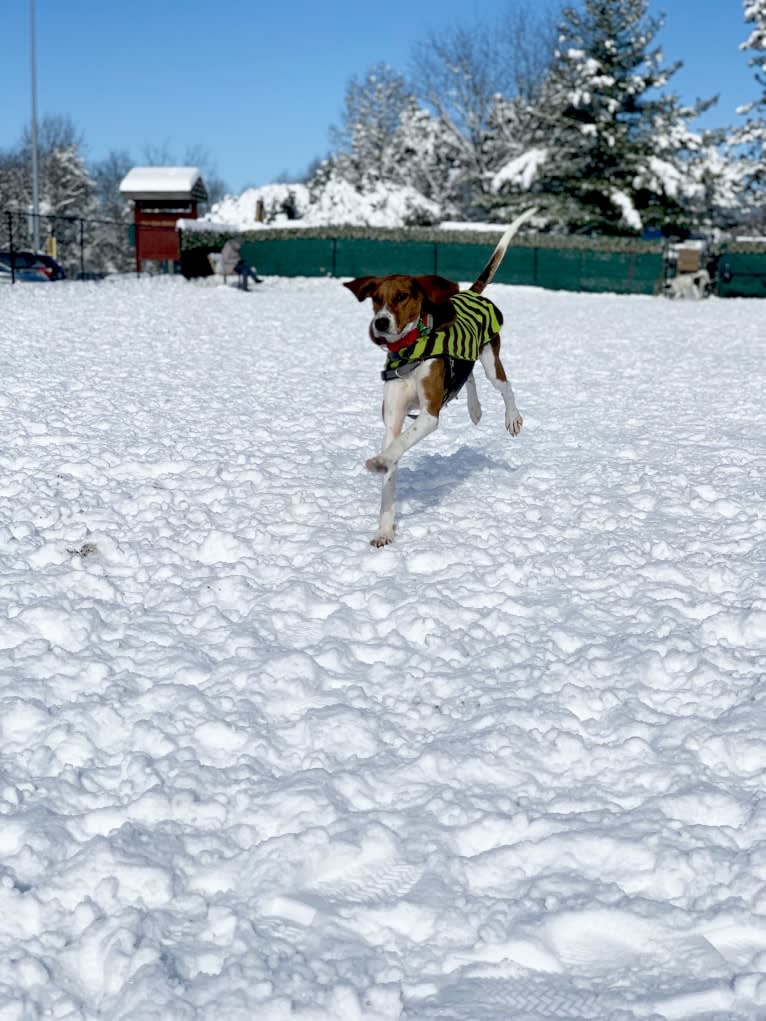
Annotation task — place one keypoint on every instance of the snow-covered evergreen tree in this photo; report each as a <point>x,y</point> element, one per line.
<point>751,137</point>
<point>608,143</point>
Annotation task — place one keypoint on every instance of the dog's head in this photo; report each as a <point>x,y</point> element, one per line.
<point>399,302</point>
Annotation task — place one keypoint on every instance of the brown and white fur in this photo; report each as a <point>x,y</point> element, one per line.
<point>398,303</point>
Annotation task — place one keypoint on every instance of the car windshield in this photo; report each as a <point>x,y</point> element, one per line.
<point>20,259</point>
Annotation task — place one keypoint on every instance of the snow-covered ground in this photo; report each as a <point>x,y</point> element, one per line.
<point>510,768</point>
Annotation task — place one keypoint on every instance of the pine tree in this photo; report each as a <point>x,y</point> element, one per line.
<point>751,137</point>
<point>610,142</point>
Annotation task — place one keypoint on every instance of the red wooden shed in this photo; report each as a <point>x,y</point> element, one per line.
<point>161,196</point>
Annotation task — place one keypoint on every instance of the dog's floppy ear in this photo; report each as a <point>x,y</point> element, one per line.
<point>362,287</point>
<point>437,292</point>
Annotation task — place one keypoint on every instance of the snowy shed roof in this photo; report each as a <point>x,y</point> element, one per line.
<point>164,183</point>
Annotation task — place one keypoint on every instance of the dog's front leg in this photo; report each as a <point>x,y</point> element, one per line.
<point>396,398</point>
<point>388,458</point>
<point>385,533</point>
<point>388,461</point>
<point>424,388</point>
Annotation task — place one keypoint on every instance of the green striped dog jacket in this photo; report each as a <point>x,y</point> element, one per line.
<point>476,322</point>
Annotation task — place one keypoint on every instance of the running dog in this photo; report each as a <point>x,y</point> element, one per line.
<point>433,334</point>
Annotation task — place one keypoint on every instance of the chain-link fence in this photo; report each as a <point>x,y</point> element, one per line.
<point>87,248</point>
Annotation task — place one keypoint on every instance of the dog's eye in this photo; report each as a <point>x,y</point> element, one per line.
<point>400,296</point>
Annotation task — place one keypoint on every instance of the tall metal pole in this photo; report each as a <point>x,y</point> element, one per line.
<point>35,167</point>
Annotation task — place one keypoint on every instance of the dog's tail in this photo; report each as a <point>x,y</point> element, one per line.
<point>499,253</point>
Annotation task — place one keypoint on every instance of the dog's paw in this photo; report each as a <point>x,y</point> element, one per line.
<point>377,464</point>
<point>474,410</point>
<point>381,539</point>
<point>513,423</point>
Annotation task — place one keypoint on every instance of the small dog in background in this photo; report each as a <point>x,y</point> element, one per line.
<point>433,334</point>
<point>689,285</point>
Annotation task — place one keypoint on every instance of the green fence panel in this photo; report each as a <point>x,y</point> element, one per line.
<point>465,262</point>
<point>571,269</point>
<point>293,257</point>
<point>646,273</point>
<point>356,257</point>
<point>461,262</point>
<point>742,275</point>
<point>606,272</point>
<point>622,272</point>
<point>559,269</point>
<point>520,266</point>
<point>586,270</point>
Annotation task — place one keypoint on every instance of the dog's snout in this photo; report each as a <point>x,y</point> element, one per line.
<point>382,324</point>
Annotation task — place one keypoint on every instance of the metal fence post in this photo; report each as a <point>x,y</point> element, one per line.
<point>82,248</point>
<point>10,246</point>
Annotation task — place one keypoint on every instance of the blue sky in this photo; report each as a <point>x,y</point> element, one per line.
<point>258,85</point>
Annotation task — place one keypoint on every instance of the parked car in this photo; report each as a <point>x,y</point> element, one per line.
<point>54,269</point>
<point>21,273</point>
<point>29,267</point>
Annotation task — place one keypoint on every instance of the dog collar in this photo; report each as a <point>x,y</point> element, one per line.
<point>419,330</point>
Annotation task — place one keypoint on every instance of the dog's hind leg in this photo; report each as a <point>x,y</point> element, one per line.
<point>489,356</point>
<point>474,408</point>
